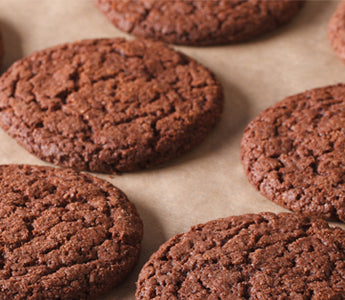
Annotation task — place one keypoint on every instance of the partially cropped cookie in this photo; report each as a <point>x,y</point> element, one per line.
<point>64,235</point>
<point>195,22</point>
<point>293,152</point>
<point>1,48</point>
<point>336,31</point>
<point>109,105</point>
<point>263,256</point>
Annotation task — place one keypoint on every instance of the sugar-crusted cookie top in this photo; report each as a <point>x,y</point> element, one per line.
<point>64,234</point>
<point>293,152</point>
<point>206,22</point>
<point>109,105</point>
<point>263,256</point>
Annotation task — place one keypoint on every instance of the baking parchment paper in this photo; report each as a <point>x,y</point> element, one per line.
<point>209,181</point>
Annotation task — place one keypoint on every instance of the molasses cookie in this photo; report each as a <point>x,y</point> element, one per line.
<point>109,105</point>
<point>336,31</point>
<point>193,22</point>
<point>293,152</point>
<point>64,235</point>
<point>263,256</point>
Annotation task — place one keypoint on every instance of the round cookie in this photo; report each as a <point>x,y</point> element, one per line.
<point>1,49</point>
<point>109,105</point>
<point>64,235</point>
<point>263,256</point>
<point>207,22</point>
<point>336,31</point>
<point>293,152</point>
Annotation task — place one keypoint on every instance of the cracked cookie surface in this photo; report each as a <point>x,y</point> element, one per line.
<point>262,256</point>
<point>64,235</point>
<point>207,22</point>
<point>293,152</point>
<point>109,105</point>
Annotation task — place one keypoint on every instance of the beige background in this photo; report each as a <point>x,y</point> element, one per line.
<point>209,181</point>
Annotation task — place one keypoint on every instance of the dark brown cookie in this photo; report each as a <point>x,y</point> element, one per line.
<point>263,256</point>
<point>293,152</point>
<point>207,22</point>
<point>336,31</point>
<point>1,49</point>
<point>64,235</point>
<point>109,105</point>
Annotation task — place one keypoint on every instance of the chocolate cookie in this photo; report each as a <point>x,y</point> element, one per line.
<point>1,48</point>
<point>207,22</point>
<point>264,256</point>
<point>336,31</point>
<point>293,152</point>
<point>109,105</point>
<point>64,235</point>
